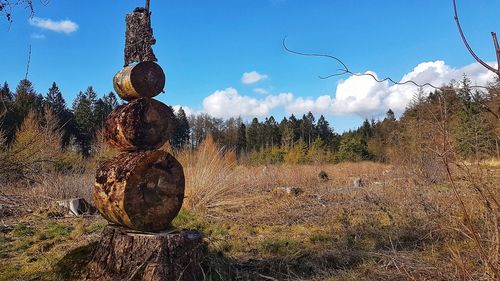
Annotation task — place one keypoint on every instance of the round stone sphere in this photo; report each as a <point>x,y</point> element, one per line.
<point>143,124</point>
<point>142,80</point>
<point>143,190</point>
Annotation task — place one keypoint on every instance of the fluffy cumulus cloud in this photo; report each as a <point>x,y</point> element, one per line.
<point>229,103</point>
<point>252,77</point>
<point>356,95</point>
<point>62,26</point>
<point>363,96</point>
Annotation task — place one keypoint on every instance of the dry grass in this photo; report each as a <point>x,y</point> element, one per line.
<point>391,228</point>
<point>210,176</point>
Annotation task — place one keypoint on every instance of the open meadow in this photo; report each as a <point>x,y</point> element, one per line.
<point>280,222</point>
<point>294,140</point>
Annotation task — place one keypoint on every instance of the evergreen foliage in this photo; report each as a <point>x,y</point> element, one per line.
<point>181,134</point>
<point>471,115</point>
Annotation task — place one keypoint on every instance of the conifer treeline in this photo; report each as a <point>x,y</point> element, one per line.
<point>78,124</point>
<point>468,117</point>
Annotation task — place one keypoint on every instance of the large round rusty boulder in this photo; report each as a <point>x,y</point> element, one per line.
<point>143,80</point>
<point>140,190</point>
<point>143,124</point>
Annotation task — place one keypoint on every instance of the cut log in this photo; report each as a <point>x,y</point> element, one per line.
<point>140,190</point>
<point>124,255</point>
<point>142,80</point>
<point>143,124</point>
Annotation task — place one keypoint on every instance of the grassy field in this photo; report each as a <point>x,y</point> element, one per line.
<point>391,228</point>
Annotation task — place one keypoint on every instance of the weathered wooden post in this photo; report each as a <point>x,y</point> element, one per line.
<point>141,190</point>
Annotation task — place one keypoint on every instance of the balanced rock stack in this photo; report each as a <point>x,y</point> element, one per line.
<point>141,190</point>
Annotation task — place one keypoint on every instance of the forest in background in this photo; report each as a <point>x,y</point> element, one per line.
<point>42,132</point>
<point>428,210</point>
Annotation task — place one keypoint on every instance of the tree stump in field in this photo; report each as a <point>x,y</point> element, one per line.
<point>125,255</point>
<point>142,124</point>
<point>141,190</point>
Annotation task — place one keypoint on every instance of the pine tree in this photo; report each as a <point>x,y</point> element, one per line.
<point>286,132</point>
<point>181,135</point>
<point>352,149</point>
<point>242,139</point>
<point>308,128</point>
<point>55,99</point>
<point>85,120</point>
<point>325,132</point>
<point>272,132</point>
<point>26,100</point>
<point>5,93</point>
<point>317,152</point>
<point>473,138</point>
<point>253,135</point>
<point>295,127</point>
<point>390,116</point>
<point>103,107</point>
<point>7,116</point>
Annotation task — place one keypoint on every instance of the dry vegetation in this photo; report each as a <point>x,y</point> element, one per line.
<point>392,228</point>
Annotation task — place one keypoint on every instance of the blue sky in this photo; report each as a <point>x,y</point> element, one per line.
<point>205,47</point>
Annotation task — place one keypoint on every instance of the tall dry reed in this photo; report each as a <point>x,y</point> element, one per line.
<point>210,176</point>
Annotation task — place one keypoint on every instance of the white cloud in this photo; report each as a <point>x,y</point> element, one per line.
<point>37,36</point>
<point>363,96</point>
<point>62,26</point>
<point>186,109</point>
<point>261,91</point>
<point>356,95</point>
<point>229,103</point>
<point>252,77</point>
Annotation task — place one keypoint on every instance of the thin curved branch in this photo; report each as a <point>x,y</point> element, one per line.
<point>487,66</point>
<point>346,70</point>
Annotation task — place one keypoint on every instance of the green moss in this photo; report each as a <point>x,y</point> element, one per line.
<point>96,227</point>
<point>188,220</point>
<point>54,230</point>
<point>22,230</point>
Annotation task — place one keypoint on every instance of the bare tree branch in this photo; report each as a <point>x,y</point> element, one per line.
<point>346,70</point>
<point>28,64</point>
<point>495,42</point>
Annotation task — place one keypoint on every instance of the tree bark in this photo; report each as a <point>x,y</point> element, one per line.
<point>125,255</point>
<point>140,190</point>
<point>139,37</point>
<point>143,124</point>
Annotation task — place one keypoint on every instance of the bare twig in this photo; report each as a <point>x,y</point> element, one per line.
<point>28,64</point>
<point>495,42</point>
<point>345,70</point>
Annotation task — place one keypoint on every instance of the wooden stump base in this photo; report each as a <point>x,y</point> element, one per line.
<point>126,255</point>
